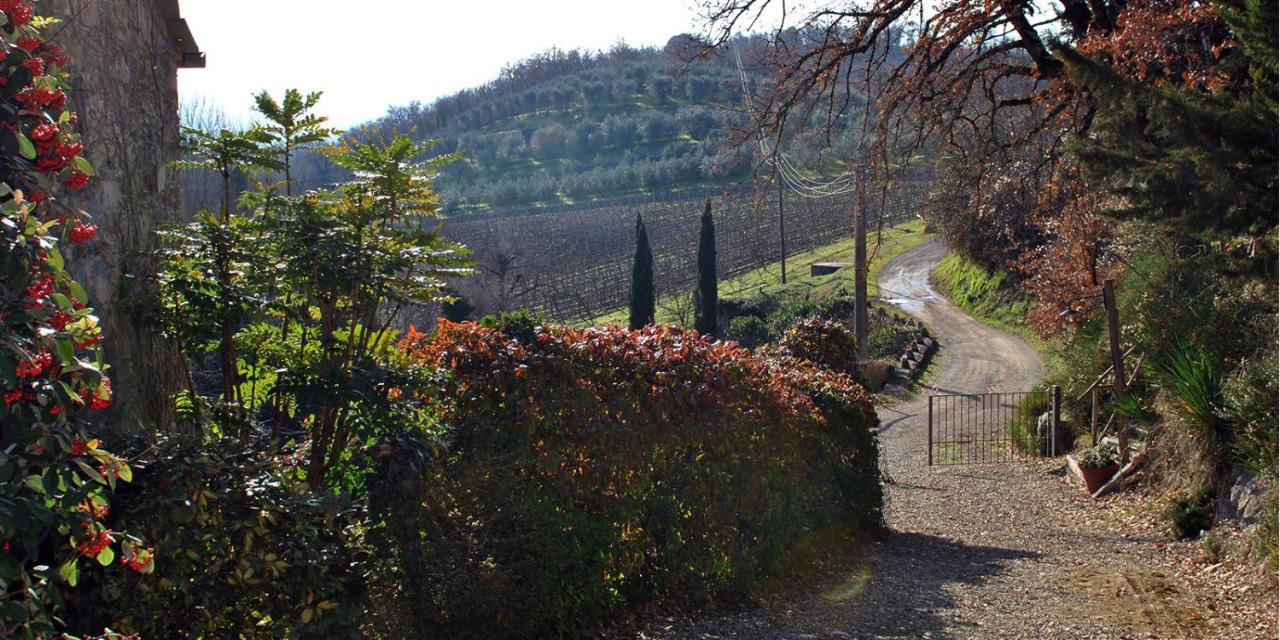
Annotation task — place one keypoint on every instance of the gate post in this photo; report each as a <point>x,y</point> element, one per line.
<point>931,431</point>
<point>1055,421</point>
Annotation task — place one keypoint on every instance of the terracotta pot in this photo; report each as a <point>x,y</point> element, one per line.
<point>1094,478</point>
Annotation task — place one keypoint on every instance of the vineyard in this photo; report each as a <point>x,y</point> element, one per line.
<point>573,263</point>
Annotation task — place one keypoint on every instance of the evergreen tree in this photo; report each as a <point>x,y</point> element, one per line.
<point>1202,163</point>
<point>642,296</point>
<point>707,296</point>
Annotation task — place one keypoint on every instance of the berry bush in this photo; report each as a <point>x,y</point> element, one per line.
<point>56,480</point>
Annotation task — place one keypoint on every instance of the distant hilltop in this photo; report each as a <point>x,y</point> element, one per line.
<point>568,126</point>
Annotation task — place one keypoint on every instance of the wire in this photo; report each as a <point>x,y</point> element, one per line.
<point>787,172</point>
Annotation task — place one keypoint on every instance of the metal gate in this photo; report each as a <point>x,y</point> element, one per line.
<point>987,428</point>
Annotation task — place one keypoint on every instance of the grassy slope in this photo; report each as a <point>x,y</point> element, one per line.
<point>984,294</point>
<point>767,280</point>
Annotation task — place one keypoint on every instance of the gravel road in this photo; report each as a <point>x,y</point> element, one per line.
<point>989,551</point>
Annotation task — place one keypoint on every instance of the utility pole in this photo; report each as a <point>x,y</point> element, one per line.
<point>782,226</point>
<point>1117,361</point>
<point>860,263</point>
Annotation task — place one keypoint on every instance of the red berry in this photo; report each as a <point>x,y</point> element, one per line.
<point>21,15</point>
<point>34,65</point>
<point>76,182</point>
<point>54,54</point>
<point>44,131</point>
<point>81,232</point>
<point>29,44</point>
<point>70,150</point>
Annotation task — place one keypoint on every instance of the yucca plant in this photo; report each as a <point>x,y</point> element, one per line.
<point>1197,382</point>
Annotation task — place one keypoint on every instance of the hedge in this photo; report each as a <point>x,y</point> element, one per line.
<point>588,470</point>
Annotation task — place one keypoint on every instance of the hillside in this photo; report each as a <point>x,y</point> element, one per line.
<point>568,126</point>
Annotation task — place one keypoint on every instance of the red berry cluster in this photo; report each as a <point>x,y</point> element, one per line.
<point>36,365</point>
<point>96,539</point>
<point>99,398</point>
<point>140,560</point>
<point>38,290</point>
<point>81,231</point>
<point>40,100</point>
<point>17,12</point>
<point>60,319</point>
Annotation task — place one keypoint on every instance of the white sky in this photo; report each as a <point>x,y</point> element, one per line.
<point>368,54</point>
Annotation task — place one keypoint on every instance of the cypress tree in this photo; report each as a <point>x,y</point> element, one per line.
<point>707,295</point>
<point>642,296</point>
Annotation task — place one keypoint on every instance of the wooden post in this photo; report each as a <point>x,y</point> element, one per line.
<point>1055,421</point>
<point>931,431</point>
<point>1117,362</point>
<point>1093,417</point>
<point>860,265</point>
<point>782,228</point>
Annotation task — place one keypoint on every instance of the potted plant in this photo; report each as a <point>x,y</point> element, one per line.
<point>1097,465</point>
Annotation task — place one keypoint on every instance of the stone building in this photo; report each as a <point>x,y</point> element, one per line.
<point>124,56</point>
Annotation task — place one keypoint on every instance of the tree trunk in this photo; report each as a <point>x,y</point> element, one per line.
<point>124,80</point>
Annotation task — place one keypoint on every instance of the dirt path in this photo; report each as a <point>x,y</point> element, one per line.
<point>978,551</point>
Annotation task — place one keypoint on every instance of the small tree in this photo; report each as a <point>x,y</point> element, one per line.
<point>642,296</point>
<point>707,296</point>
<point>292,126</point>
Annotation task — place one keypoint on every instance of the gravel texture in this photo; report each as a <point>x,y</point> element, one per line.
<point>993,551</point>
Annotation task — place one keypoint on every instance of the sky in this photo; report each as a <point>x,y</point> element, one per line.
<point>369,54</point>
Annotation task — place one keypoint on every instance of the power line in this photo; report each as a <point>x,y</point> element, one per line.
<point>787,172</point>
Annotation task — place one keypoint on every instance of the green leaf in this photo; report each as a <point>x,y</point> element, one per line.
<point>78,293</point>
<point>126,473</point>
<point>55,259</point>
<point>82,165</point>
<point>66,350</point>
<point>70,571</point>
<point>25,147</point>
<point>90,471</point>
<point>63,301</point>
<point>106,556</point>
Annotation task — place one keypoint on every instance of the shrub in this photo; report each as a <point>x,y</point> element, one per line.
<point>244,552</point>
<point>749,331</point>
<point>588,469</point>
<point>1191,515</point>
<point>1024,426</point>
<point>1253,412</point>
<point>55,481</point>
<point>824,342</point>
<point>300,296</point>
<point>839,306</point>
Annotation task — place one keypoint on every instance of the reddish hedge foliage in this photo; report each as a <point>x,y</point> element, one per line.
<point>600,467</point>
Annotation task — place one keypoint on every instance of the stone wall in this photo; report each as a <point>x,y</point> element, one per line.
<point>124,75</point>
